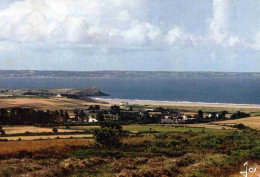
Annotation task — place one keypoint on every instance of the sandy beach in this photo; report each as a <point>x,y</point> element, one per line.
<point>172,103</point>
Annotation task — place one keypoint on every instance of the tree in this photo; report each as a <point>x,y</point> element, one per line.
<point>55,130</point>
<point>3,115</point>
<point>97,107</point>
<point>100,117</point>
<point>82,115</point>
<point>91,108</point>
<point>62,114</point>
<point>146,118</point>
<point>2,132</point>
<point>76,111</point>
<point>66,116</point>
<point>222,115</point>
<point>200,115</point>
<point>213,116</point>
<point>115,110</point>
<point>56,115</point>
<point>109,135</point>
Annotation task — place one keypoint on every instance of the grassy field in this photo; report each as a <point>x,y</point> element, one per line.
<point>193,150</point>
<point>55,103</point>
<point>163,128</point>
<point>212,108</point>
<point>162,150</point>
<point>31,129</point>
<point>45,137</point>
<point>253,122</point>
<point>31,146</point>
<point>179,154</point>
<point>43,103</point>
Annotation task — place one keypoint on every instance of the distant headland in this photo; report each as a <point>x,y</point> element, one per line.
<point>123,74</point>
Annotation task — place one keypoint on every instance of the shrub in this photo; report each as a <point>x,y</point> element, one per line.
<point>240,126</point>
<point>255,152</point>
<point>2,132</point>
<point>173,143</point>
<point>109,135</point>
<point>185,161</point>
<point>55,130</point>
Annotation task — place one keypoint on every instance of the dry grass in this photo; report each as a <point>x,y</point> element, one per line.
<point>32,129</point>
<point>81,127</point>
<point>253,122</point>
<point>137,140</point>
<point>210,126</point>
<point>31,146</point>
<point>45,137</point>
<point>42,103</point>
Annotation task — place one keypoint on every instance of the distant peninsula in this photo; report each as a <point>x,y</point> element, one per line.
<point>83,94</point>
<point>121,74</point>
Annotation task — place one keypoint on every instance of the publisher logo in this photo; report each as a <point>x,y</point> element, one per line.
<point>248,170</point>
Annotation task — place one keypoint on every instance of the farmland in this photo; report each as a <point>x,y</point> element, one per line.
<point>43,103</point>
<point>174,153</point>
<point>253,122</point>
<point>31,129</point>
<point>215,148</point>
<point>36,145</point>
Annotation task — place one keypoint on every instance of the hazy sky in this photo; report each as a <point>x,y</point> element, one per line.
<point>165,35</point>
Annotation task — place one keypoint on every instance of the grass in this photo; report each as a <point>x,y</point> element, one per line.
<point>212,125</point>
<point>32,129</point>
<point>43,103</point>
<point>213,108</point>
<point>161,128</point>
<point>45,137</point>
<point>31,146</point>
<point>170,153</point>
<point>253,122</point>
<point>179,154</point>
<point>165,128</point>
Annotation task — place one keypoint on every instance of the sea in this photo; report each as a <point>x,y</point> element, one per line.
<point>237,90</point>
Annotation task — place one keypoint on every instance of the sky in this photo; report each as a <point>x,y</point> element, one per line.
<point>140,35</point>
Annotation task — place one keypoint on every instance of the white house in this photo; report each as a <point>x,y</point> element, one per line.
<point>124,104</point>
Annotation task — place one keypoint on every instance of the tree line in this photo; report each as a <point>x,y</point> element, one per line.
<point>26,116</point>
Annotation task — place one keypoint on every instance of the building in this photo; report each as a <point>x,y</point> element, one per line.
<point>167,121</point>
<point>124,104</point>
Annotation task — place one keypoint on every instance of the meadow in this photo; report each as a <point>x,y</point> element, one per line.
<point>44,103</point>
<point>178,153</point>
<point>165,128</point>
<point>31,129</point>
<point>253,122</point>
<point>45,137</point>
<point>192,150</point>
<point>36,145</point>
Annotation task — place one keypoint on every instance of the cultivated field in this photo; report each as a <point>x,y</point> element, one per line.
<point>31,146</point>
<point>31,129</point>
<point>163,128</point>
<point>253,122</point>
<point>45,137</point>
<point>44,103</point>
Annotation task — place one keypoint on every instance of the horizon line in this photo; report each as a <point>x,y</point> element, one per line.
<point>129,71</point>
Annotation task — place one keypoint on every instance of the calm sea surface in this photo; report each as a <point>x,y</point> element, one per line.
<point>209,90</point>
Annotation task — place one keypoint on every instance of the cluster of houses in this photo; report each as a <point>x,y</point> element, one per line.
<point>125,112</point>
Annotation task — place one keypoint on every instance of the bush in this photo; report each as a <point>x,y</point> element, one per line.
<point>173,143</point>
<point>2,132</point>
<point>240,126</point>
<point>109,135</point>
<point>255,152</point>
<point>55,130</point>
<point>185,161</point>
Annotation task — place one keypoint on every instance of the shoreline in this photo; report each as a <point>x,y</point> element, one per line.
<point>174,103</point>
